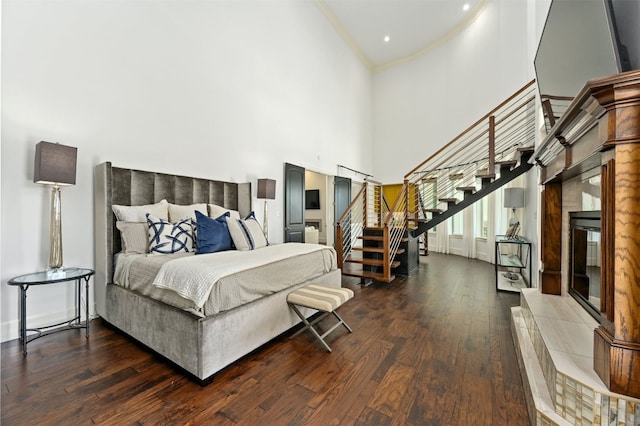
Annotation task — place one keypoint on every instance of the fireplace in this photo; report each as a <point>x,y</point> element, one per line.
<point>585,260</point>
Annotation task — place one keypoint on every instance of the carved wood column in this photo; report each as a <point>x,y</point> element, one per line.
<point>551,256</point>
<point>617,340</point>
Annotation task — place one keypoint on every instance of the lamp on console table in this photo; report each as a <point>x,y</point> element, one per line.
<point>513,199</point>
<point>266,191</point>
<point>55,165</point>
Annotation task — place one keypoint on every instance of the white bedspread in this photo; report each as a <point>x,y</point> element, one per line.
<point>193,277</point>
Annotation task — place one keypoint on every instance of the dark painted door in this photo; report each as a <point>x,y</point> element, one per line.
<point>293,203</point>
<point>341,200</point>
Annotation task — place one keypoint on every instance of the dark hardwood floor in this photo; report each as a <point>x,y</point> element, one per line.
<point>434,348</point>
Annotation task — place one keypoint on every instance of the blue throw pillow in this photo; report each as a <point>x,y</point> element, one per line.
<point>213,234</point>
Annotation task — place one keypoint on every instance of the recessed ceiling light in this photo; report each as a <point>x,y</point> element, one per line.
<point>387,39</point>
<point>466,7</point>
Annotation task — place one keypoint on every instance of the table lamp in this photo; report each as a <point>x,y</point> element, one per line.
<point>513,199</point>
<point>55,165</point>
<point>266,191</point>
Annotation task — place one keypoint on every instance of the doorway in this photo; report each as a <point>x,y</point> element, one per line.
<point>311,200</point>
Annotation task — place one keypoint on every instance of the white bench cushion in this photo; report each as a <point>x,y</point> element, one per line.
<point>320,297</point>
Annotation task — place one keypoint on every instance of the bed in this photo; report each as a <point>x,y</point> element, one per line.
<point>200,341</point>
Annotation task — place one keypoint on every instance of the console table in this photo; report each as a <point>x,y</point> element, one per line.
<point>505,258</point>
<point>52,277</point>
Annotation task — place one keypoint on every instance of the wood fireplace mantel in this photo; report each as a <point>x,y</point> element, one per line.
<point>601,128</point>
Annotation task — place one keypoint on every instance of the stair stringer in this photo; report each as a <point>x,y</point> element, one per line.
<point>505,177</point>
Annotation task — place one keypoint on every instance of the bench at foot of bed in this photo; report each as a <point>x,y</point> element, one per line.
<point>324,299</point>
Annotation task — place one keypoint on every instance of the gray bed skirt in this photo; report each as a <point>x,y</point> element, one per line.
<point>204,346</point>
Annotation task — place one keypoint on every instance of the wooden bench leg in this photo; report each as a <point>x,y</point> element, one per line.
<point>309,325</point>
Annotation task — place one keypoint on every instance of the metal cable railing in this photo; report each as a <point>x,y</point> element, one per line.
<point>454,169</point>
<point>473,154</point>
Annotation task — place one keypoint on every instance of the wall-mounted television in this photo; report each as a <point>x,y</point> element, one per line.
<point>581,41</point>
<point>312,199</point>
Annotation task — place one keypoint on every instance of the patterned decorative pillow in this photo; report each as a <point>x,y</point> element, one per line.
<point>138,213</point>
<point>246,233</point>
<point>166,237</point>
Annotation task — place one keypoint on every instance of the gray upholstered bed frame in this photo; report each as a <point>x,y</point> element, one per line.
<point>201,346</point>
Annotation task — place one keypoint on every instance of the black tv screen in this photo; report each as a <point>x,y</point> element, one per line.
<point>578,43</point>
<point>312,199</point>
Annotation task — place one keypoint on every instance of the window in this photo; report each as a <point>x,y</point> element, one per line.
<point>482,216</point>
<point>457,221</point>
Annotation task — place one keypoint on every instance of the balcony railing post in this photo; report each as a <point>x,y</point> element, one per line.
<point>386,258</point>
<point>339,245</point>
<point>365,205</point>
<point>492,144</point>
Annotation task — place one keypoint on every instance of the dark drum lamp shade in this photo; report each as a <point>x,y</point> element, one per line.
<point>266,189</point>
<point>55,164</point>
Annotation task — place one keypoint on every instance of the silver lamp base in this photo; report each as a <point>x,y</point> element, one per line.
<point>55,230</point>
<point>265,221</point>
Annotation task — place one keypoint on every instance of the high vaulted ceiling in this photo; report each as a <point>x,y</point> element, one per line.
<point>412,26</point>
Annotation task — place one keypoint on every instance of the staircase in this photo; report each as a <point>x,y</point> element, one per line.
<point>372,237</point>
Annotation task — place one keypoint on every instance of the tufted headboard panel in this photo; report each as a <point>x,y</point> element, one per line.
<point>115,185</point>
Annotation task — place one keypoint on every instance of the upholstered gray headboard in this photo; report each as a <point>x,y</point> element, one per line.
<point>115,185</point>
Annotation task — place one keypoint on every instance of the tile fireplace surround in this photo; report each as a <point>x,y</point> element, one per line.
<point>553,336</point>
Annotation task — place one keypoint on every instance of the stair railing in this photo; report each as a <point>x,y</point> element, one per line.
<point>473,154</point>
<point>395,228</point>
<point>366,210</point>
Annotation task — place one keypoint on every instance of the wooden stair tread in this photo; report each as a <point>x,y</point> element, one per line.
<point>359,273</point>
<point>448,200</point>
<point>505,163</point>
<point>466,188</point>
<point>430,179</point>
<point>377,238</point>
<point>375,250</point>
<point>371,262</point>
<point>456,176</point>
<point>486,175</point>
<point>437,211</point>
<point>526,149</point>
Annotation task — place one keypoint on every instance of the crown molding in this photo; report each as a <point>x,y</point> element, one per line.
<point>473,14</point>
<point>342,31</point>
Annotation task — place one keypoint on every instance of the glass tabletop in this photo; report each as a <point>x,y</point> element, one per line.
<point>52,276</point>
<point>517,240</point>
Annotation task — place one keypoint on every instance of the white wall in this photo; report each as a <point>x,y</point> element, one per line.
<point>223,89</point>
<point>421,105</point>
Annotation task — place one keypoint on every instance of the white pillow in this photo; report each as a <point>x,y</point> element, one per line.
<point>216,211</point>
<point>178,212</point>
<point>246,233</point>
<point>134,237</point>
<point>138,213</point>
<point>167,238</point>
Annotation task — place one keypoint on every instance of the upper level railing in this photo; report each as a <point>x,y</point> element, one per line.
<point>474,154</point>
<point>553,108</point>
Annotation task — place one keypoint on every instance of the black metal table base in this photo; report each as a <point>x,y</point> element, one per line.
<point>74,323</point>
